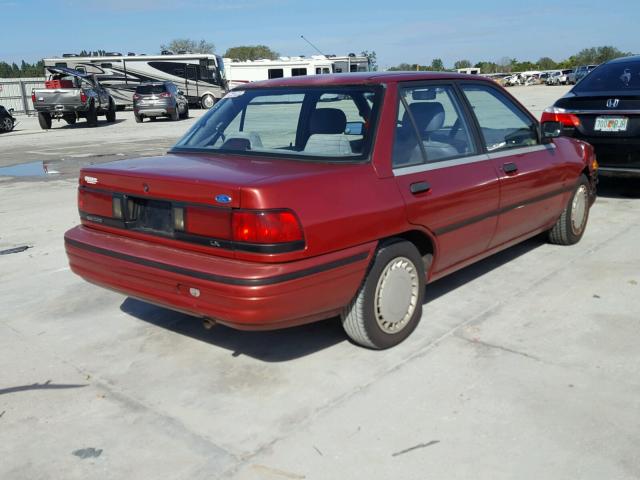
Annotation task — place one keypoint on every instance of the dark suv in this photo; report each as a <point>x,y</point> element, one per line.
<point>159,99</point>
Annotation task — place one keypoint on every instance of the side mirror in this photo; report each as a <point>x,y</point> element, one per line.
<point>11,110</point>
<point>550,130</point>
<point>180,92</point>
<point>354,128</point>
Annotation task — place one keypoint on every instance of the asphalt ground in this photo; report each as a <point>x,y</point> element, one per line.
<point>525,365</point>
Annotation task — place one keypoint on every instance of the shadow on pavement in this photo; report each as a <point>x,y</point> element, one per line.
<point>40,386</point>
<point>268,346</point>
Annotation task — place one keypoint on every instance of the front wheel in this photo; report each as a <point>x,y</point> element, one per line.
<point>572,223</point>
<point>92,115</point>
<point>207,101</point>
<point>388,305</point>
<point>111,113</point>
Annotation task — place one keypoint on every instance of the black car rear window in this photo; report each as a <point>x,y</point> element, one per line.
<point>149,89</point>
<point>615,76</point>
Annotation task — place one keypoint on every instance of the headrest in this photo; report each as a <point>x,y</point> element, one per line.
<point>429,116</point>
<point>327,121</point>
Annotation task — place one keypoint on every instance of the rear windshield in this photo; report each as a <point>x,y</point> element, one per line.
<point>149,89</point>
<point>333,123</point>
<point>616,76</point>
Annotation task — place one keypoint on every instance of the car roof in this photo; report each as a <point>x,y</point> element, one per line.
<point>631,58</point>
<point>361,78</point>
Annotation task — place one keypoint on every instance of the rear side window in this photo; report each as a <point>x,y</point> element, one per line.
<point>150,89</point>
<point>502,123</point>
<point>430,127</point>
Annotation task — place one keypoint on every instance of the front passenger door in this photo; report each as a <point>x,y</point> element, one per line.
<point>531,174</point>
<point>448,185</point>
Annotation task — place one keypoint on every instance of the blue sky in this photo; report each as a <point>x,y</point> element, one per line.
<point>401,31</point>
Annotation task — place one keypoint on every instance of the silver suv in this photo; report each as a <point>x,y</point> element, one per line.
<point>159,99</point>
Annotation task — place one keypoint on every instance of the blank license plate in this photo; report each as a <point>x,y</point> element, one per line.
<point>611,124</point>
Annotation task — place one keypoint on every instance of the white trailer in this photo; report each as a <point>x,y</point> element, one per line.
<point>239,73</point>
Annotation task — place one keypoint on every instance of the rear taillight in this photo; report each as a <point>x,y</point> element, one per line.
<point>136,96</point>
<point>266,227</point>
<point>33,97</point>
<point>95,203</point>
<point>83,97</point>
<point>203,221</point>
<point>165,95</point>
<point>554,114</point>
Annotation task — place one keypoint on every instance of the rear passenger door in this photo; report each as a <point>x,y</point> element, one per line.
<point>531,175</point>
<point>449,186</point>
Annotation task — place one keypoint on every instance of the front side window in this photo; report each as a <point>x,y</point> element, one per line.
<point>333,123</point>
<point>430,126</point>
<point>502,123</point>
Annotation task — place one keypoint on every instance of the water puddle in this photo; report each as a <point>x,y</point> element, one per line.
<point>31,169</point>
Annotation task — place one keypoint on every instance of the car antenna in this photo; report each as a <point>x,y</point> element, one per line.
<point>316,48</point>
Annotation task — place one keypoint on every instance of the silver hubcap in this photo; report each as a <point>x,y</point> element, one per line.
<point>208,101</point>
<point>396,295</point>
<point>579,209</point>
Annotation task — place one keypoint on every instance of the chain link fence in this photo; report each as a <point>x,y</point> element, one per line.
<point>16,93</point>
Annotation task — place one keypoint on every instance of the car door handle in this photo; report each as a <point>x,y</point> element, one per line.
<point>509,167</point>
<point>419,187</point>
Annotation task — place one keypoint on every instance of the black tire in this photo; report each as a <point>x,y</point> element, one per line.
<point>70,119</point>
<point>111,113</point>
<point>185,114</point>
<point>44,119</point>
<point>175,115</point>
<point>139,118</point>
<point>152,119</point>
<point>207,101</point>
<point>92,115</point>
<point>569,228</point>
<point>367,320</point>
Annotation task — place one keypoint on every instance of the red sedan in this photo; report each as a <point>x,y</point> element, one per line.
<point>299,199</point>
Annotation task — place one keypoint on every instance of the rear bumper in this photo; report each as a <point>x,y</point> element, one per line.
<point>240,294</point>
<point>155,111</point>
<point>617,156</point>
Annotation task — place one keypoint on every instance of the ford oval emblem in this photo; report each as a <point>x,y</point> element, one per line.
<point>222,198</point>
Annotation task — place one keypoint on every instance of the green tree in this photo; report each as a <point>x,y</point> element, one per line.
<point>437,65</point>
<point>462,64</point>
<point>546,63</point>
<point>373,61</point>
<point>187,45</point>
<point>251,52</point>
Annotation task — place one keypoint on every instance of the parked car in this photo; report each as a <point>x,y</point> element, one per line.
<point>7,120</point>
<point>302,198</point>
<point>70,95</point>
<point>582,72</point>
<point>604,110</point>
<point>553,78</point>
<point>159,99</point>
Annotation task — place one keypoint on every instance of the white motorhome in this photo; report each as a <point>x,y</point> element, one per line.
<point>238,73</point>
<point>199,76</point>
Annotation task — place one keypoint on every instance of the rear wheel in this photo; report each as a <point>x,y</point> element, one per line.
<point>92,115</point>
<point>573,221</point>
<point>44,119</point>
<point>185,114</point>
<point>207,101</point>
<point>111,113</point>
<point>138,118</point>
<point>388,305</point>
<point>175,115</point>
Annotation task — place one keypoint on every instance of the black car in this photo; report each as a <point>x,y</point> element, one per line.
<point>159,99</point>
<point>604,110</point>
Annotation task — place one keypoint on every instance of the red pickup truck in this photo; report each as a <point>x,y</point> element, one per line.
<point>303,198</point>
